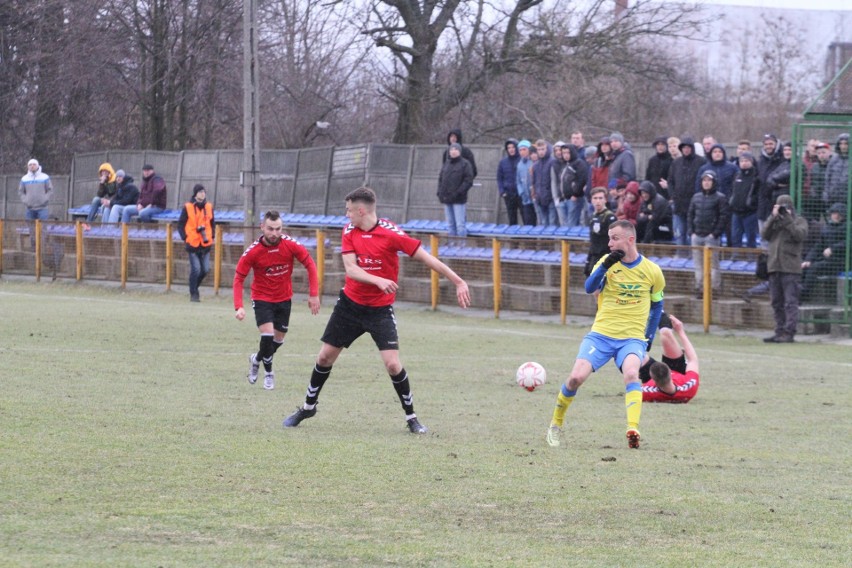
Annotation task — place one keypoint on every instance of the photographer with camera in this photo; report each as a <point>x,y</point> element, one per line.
<point>196,229</point>
<point>785,231</point>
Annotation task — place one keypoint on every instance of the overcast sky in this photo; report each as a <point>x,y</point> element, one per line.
<point>837,5</point>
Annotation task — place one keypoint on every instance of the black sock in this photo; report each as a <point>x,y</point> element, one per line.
<point>318,378</point>
<point>276,345</point>
<point>403,391</point>
<point>266,351</point>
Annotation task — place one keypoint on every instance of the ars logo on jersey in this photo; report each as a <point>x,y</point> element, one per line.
<point>368,263</point>
<point>277,270</point>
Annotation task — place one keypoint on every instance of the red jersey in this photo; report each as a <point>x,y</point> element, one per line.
<point>377,252</point>
<point>273,271</point>
<point>686,385</point>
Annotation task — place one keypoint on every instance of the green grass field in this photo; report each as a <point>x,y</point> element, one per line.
<point>129,437</point>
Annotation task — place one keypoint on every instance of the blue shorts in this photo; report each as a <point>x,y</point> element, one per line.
<point>597,349</point>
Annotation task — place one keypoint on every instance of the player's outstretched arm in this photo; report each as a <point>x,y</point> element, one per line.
<point>688,349</point>
<point>462,291</point>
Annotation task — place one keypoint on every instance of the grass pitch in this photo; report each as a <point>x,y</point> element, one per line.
<point>130,437</point>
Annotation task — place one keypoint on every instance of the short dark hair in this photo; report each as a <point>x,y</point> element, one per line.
<point>271,215</point>
<point>596,190</point>
<point>660,372</point>
<point>362,195</point>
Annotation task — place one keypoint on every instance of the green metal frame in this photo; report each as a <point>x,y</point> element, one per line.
<point>841,121</point>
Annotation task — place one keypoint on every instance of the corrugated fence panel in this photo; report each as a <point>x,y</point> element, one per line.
<point>167,165</point>
<point>312,180</point>
<point>86,177</point>
<point>404,177</point>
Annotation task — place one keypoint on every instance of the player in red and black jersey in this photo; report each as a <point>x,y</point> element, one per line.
<point>272,257</point>
<point>675,379</point>
<point>370,248</point>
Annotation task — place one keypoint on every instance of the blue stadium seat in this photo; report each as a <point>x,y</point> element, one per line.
<point>578,258</point>
<point>553,257</point>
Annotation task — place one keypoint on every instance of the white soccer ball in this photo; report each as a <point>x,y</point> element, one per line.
<point>531,375</point>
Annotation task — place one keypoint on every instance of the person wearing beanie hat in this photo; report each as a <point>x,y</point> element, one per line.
<point>623,167</point>
<point>196,225</point>
<point>35,190</point>
<point>785,231</point>
<point>507,174</point>
<point>455,137</point>
<point>454,181</point>
<point>706,221</point>
<point>125,197</point>
<point>523,182</point>
<point>743,203</point>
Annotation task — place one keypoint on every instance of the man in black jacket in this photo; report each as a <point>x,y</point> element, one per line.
<point>654,221</point>
<point>598,229</point>
<point>455,137</point>
<point>743,203</point>
<point>659,165</point>
<point>125,196</point>
<point>681,187</point>
<point>454,182</point>
<point>706,221</point>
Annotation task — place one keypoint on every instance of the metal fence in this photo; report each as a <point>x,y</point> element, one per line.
<point>538,275</point>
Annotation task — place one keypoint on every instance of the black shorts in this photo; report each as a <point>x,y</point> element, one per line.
<point>276,312</point>
<point>677,364</point>
<point>349,321</point>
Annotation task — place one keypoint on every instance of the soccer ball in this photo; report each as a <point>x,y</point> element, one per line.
<point>531,375</point>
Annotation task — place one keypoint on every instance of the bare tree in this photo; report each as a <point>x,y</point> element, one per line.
<point>173,72</point>
<point>312,69</point>
<point>447,52</point>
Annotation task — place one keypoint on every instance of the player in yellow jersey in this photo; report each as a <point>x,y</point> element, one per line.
<point>629,288</point>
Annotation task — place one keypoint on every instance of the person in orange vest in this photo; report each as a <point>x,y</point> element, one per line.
<point>196,229</point>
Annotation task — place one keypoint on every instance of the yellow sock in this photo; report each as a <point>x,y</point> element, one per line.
<point>563,401</point>
<point>633,404</point>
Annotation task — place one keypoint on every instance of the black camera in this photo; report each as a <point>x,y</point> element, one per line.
<point>203,230</point>
<point>782,210</point>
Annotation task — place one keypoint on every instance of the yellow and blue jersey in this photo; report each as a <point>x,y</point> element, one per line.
<point>625,299</point>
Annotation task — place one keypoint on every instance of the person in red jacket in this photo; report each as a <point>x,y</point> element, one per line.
<point>195,226</point>
<point>272,257</point>
<point>370,249</point>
